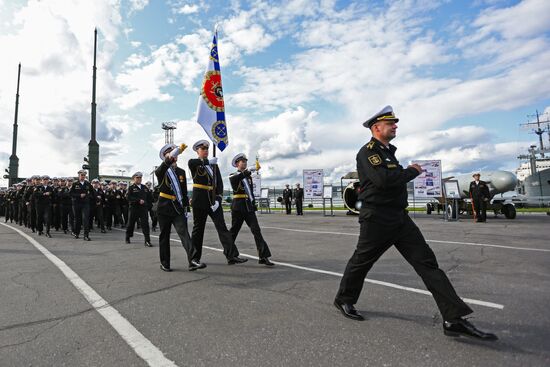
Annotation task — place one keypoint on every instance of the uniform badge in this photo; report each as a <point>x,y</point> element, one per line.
<point>370,145</point>
<point>375,159</point>
<point>182,178</point>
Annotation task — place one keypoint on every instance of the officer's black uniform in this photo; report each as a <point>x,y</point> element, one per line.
<point>204,194</point>
<point>299,199</point>
<point>66,209</point>
<point>123,205</point>
<point>97,202</point>
<point>385,222</point>
<point>287,199</point>
<point>153,200</point>
<point>22,210</point>
<point>56,207</point>
<point>81,206</point>
<point>138,210</point>
<point>243,208</point>
<point>31,207</point>
<point>479,193</point>
<point>171,212</point>
<point>43,196</point>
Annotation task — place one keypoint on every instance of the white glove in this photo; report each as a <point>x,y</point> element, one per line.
<point>215,206</point>
<point>253,169</point>
<point>213,160</point>
<point>186,213</point>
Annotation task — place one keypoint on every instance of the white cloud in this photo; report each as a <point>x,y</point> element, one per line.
<point>187,9</point>
<point>137,5</point>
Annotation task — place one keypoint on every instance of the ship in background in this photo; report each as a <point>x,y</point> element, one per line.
<point>534,175</point>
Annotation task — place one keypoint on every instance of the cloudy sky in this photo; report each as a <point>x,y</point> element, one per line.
<point>299,79</point>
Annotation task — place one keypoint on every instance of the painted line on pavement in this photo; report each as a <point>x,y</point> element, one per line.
<point>434,241</point>
<point>139,343</point>
<point>327,272</point>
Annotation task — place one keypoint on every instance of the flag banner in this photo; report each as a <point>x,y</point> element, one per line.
<point>211,115</point>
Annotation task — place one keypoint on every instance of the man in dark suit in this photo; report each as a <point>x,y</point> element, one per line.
<point>287,198</point>
<point>299,199</point>
<point>479,193</point>
<point>43,195</point>
<point>81,191</point>
<point>206,202</point>
<point>243,206</point>
<point>173,207</point>
<point>138,208</point>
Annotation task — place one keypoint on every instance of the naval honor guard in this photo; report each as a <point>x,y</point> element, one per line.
<point>137,196</point>
<point>206,202</point>
<point>243,206</point>
<point>385,223</point>
<point>480,195</point>
<point>81,192</point>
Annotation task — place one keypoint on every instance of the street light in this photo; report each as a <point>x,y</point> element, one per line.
<point>121,171</point>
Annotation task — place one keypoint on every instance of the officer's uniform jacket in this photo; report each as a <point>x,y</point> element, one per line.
<point>167,201</point>
<point>480,190</point>
<point>203,183</point>
<point>40,197</point>
<point>287,195</point>
<point>81,188</point>
<point>383,183</point>
<point>242,202</point>
<point>28,194</point>
<point>64,195</point>
<point>97,198</point>
<point>137,193</point>
<point>299,194</point>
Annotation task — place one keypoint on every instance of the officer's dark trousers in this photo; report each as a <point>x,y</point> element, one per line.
<point>180,224</point>
<point>22,214</point>
<point>43,217</point>
<point>108,216</point>
<point>67,217</point>
<point>56,220</point>
<point>138,212</point>
<point>154,219</point>
<point>480,207</point>
<point>125,214</point>
<point>8,212</point>
<point>81,218</point>
<point>299,207</point>
<point>288,206</point>
<point>237,219</point>
<point>375,239</point>
<point>199,223</point>
<point>32,216</point>
<point>97,215</point>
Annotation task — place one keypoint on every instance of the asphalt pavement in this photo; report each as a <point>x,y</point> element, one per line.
<point>66,302</point>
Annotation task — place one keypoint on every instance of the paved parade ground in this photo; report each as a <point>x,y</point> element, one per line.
<point>66,302</point>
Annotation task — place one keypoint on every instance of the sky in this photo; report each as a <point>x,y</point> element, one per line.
<point>299,77</point>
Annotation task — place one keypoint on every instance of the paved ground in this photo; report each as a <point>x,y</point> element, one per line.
<point>250,315</point>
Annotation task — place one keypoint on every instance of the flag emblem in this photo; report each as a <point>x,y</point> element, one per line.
<point>212,91</point>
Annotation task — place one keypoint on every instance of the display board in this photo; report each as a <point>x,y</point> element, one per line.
<point>428,183</point>
<point>257,184</point>
<point>327,192</point>
<point>451,189</point>
<point>264,193</point>
<point>313,183</point>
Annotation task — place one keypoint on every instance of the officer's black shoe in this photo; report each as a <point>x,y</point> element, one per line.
<point>103,231</point>
<point>148,244</point>
<point>196,264</point>
<point>32,228</point>
<point>165,268</point>
<point>75,235</point>
<point>127,239</point>
<point>466,328</point>
<point>86,238</point>
<point>265,261</point>
<point>48,235</point>
<point>40,233</point>
<point>348,310</point>
<point>236,260</point>
<point>65,231</point>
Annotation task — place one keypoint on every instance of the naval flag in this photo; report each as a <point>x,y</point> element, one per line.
<point>211,115</point>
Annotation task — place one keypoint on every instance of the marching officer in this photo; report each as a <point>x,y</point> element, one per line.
<point>43,196</point>
<point>81,191</point>
<point>287,198</point>
<point>65,205</point>
<point>97,201</point>
<point>173,207</point>
<point>123,203</point>
<point>243,206</point>
<point>112,197</point>
<point>29,202</point>
<point>299,199</point>
<point>479,193</point>
<point>22,208</point>
<point>206,201</point>
<point>139,206</point>
<point>385,222</point>
<point>56,207</point>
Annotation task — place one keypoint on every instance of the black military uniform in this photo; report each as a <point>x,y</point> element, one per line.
<point>31,207</point>
<point>152,199</point>
<point>10,198</point>
<point>479,193</point>
<point>123,205</point>
<point>243,209</point>
<point>171,212</point>
<point>56,206</point>
<point>43,196</point>
<point>287,199</point>
<point>385,222</point>
<point>97,202</point>
<point>299,199</point>
<point>139,207</point>
<point>66,209</point>
<point>207,190</point>
<point>80,194</point>
<point>22,207</point>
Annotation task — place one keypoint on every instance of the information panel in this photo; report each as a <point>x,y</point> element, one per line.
<point>428,183</point>
<point>257,183</point>
<point>313,183</point>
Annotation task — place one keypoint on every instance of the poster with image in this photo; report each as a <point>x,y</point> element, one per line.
<point>313,183</point>
<point>428,183</point>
